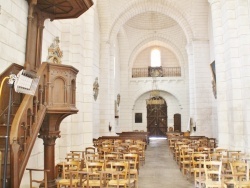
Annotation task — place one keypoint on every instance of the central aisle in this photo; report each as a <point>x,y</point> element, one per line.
<point>160,170</point>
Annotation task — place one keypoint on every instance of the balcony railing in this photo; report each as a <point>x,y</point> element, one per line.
<point>156,72</point>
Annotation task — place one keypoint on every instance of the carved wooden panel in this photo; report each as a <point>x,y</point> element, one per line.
<point>61,9</point>
<point>61,86</point>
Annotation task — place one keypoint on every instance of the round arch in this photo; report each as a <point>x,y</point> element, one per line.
<point>142,92</point>
<point>173,105</point>
<point>161,42</point>
<point>142,6</point>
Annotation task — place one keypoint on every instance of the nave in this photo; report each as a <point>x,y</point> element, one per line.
<point>160,170</point>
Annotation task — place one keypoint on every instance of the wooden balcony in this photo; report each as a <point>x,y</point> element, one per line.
<point>156,72</point>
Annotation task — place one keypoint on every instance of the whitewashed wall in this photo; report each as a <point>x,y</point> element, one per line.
<point>13,29</point>
<point>168,58</point>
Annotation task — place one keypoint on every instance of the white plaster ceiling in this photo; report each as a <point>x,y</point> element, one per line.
<point>151,21</point>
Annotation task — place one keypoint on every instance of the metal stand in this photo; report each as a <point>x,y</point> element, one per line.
<point>7,139</point>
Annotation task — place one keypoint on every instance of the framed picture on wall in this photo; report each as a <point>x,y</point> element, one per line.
<point>138,117</point>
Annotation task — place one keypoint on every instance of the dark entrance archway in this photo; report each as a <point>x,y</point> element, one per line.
<point>157,117</point>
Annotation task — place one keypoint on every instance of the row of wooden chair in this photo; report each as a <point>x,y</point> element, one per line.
<point>210,167</point>
<point>100,174</point>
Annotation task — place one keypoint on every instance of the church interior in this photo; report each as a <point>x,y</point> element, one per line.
<point>80,74</point>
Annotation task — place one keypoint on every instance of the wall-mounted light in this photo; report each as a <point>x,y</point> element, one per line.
<point>24,82</point>
<point>110,127</point>
<point>194,127</point>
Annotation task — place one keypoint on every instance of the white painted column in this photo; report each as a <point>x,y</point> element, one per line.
<point>191,76</point>
<point>223,129</point>
<point>243,25</point>
<point>126,106</point>
<point>200,87</point>
<point>112,88</point>
<point>105,89</point>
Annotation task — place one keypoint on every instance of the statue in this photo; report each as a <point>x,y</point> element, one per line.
<point>214,89</point>
<point>116,110</point>
<point>118,99</point>
<point>54,53</point>
<point>95,88</point>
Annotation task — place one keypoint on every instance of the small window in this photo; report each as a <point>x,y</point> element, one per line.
<point>155,58</point>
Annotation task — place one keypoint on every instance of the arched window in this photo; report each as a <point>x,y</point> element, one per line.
<point>155,58</point>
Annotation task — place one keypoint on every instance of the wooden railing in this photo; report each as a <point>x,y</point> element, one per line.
<point>164,72</point>
<point>25,127</point>
<point>55,94</point>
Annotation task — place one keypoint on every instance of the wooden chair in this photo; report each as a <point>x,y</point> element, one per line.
<point>90,150</point>
<point>106,149</point>
<point>139,151</point>
<point>91,157</point>
<point>213,176</point>
<point>178,153</point>
<point>141,154</point>
<point>73,156</point>
<point>119,175</point>
<point>111,157</point>
<point>240,174</point>
<point>215,156</point>
<point>133,168</point>
<point>129,141</point>
<point>222,151</point>
<point>68,167</point>
<point>185,159</point>
<point>117,142</point>
<point>177,150</point>
<point>94,174</point>
<point>197,168</point>
<point>32,180</point>
<point>107,142</point>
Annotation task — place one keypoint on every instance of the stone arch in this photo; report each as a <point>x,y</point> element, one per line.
<point>162,42</point>
<point>142,6</point>
<point>139,93</point>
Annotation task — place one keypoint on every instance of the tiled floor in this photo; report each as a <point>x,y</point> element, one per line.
<point>160,170</point>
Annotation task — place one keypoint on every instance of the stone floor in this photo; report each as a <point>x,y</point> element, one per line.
<point>160,170</point>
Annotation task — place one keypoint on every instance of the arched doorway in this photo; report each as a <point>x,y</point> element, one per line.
<point>157,117</point>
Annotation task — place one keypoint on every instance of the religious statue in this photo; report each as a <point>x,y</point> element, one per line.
<point>118,99</point>
<point>95,88</point>
<point>116,110</point>
<point>214,89</point>
<point>54,53</point>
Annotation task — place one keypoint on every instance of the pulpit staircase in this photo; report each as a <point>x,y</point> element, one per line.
<point>35,116</point>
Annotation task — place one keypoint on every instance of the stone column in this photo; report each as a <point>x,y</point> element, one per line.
<point>200,86</point>
<point>112,88</point>
<point>191,81</point>
<point>244,35</point>
<point>223,127</point>
<point>104,89</point>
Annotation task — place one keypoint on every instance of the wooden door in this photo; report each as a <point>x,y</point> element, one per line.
<point>157,119</point>
<point>177,122</point>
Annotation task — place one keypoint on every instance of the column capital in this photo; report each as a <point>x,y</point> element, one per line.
<point>49,138</point>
